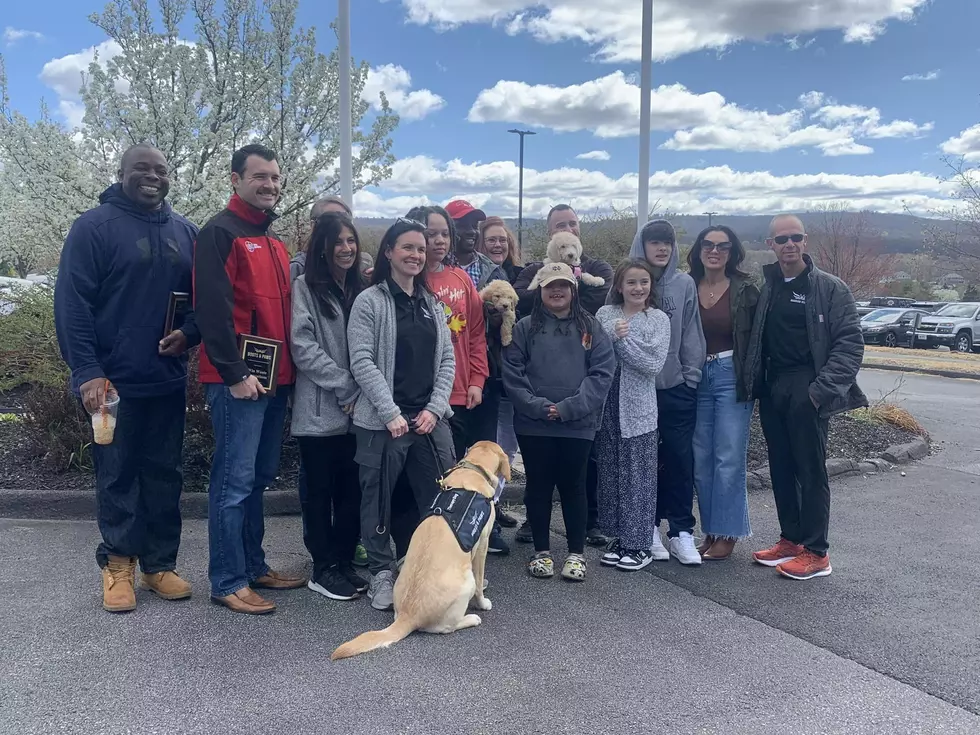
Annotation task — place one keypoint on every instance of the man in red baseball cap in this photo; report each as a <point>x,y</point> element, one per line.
<point>466,219</point>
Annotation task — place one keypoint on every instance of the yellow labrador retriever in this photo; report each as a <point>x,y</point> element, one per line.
<point>439,577</point>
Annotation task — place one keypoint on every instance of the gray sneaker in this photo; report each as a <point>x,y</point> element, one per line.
<point>382,590</point>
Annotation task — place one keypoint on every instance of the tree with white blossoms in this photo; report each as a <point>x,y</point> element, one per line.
<point>250,75</point>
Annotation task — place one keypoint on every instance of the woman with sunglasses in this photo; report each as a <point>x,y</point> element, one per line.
<point>727,300</point>
<point>401,356</point>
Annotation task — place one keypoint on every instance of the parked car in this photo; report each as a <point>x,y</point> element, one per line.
<point>892,302</point>
<point>956,326</point>
<point>890,327</point>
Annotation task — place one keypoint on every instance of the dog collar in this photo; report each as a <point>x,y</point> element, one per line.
<point>465,464</point>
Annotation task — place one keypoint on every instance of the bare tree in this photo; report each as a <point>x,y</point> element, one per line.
<point>955,234</point>
<point>845,244</point>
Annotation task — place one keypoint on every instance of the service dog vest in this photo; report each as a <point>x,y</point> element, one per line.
<point>465,511</point>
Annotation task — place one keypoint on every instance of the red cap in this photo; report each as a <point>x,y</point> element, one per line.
<point>459,208</point>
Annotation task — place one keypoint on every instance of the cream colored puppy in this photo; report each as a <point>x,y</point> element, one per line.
<point>565,248</point>
<point>439,579</point>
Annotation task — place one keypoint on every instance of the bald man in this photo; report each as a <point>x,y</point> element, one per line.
<point>802,363</point>
<point>120,265</point>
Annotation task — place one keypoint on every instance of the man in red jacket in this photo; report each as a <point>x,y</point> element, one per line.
<point>241,287</point>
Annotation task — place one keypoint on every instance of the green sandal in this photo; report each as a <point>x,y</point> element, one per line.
<point>574,568</point>
<point>541,565</point>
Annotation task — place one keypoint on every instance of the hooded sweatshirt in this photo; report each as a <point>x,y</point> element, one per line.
<point>119,265</point>
<point>678,297</point>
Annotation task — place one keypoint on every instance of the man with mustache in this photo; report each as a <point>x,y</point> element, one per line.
<point>120,264</point>
<point>242,286</point>
<point>802,364</point>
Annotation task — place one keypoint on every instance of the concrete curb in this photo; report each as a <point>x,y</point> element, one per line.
<point>897,454</point>
<point>921,371</point>
<point>80,505</point>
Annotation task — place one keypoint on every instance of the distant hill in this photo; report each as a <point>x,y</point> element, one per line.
<point>901,233</point>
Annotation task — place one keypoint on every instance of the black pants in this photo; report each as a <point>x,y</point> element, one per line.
<point>138,480</point>
<point>592,492</point>
<point>678,414</point>
<point>797,441</point>
<point>479,424</point>
<point>551,462</point>
<point>332,501</point>
<point>382,460</point>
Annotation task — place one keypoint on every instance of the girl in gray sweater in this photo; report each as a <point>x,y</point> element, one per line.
<point>626,446</point>
<point>324,398</point>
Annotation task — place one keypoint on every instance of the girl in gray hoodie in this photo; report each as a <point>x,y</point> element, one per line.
<point>677,390</point>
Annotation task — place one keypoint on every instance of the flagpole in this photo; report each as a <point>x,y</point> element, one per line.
<point>343,62</point>
<point>646,82</point>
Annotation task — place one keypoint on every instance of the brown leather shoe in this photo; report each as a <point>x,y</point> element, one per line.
<point>278,581</point>
<point>705,544</point>
<point>118,578</point>
<point>720,550</point>
<point>247,602</point>
<point>167,585</point>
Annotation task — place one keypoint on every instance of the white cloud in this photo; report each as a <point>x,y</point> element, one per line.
<point>929,76</point>
<point>966,144</point>
<point>613,27</point>
<point>594,156</point>
<point>64,75</point>
<point>610,108</point>
<point>396,83</point>
<point>493,186</point>
<point>13,35</point>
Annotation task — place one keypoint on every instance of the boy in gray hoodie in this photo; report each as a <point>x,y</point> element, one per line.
<point>677,386</point>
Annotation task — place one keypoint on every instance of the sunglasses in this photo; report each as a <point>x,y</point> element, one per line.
<point>783,239</point>
<point>721,247</point>
<point>406,221</point>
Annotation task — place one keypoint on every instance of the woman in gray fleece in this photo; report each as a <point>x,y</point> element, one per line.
<point>557,372</point>
<point>401,356</point>
<point>323,400</point>
<point>626,445</point>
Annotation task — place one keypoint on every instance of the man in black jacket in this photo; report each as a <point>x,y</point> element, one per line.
<point>802,363</point>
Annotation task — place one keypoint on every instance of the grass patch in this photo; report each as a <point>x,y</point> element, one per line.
<point>888,413</point>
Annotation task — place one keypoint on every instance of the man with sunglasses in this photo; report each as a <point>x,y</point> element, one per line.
<point>802,364</point>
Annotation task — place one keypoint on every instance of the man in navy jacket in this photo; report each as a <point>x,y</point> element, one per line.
<point>120,264</point>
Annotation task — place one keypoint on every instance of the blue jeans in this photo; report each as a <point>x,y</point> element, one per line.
<point>247,443</point>
<point>721,441</point>
<point>506,437</point>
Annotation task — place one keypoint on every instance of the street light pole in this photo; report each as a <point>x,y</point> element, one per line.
<point>343,62</point>
<point>710,215</point>
<point>520,187</point>
<point>646,82</point>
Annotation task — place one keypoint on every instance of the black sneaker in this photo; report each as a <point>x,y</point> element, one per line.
<point>635,560</point>
<point>524,535</point>
<point>358,582</point>
<point>595,537</point>
<point>613,554</point>
<point>331,583</point>
<point>506,519</point>
<point>497,543</point>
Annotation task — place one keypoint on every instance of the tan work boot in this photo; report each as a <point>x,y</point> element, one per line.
<point>118,580</point>
<point>167,585</point>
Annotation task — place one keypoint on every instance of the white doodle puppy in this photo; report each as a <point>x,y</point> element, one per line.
<point>565,248</point>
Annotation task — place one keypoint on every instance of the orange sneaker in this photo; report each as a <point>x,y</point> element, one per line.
<point>806,566</point>
<point>783,551</point>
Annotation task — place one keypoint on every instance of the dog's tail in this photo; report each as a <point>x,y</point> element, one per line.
<point>365,642</point>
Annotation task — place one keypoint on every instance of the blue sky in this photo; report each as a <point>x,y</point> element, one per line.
<point>760,105</point>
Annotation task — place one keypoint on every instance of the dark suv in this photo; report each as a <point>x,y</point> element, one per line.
<point>890,327</point>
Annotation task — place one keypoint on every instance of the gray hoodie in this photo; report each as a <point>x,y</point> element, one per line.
<point>323,380</point>
<point>678,296</point>
<point>553,367</point>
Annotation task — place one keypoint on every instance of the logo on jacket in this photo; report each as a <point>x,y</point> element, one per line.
<point>798,298</point>
<point>252,246</point>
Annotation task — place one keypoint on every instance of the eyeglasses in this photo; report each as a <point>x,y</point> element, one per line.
<point>783,239</point>
<point>721,247</point>
<point>496,241</point>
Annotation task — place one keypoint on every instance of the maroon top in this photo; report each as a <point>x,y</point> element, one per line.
<point>717,324</point>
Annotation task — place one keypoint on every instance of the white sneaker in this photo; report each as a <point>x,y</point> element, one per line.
<point>683,549</point>
<point>658,551</point>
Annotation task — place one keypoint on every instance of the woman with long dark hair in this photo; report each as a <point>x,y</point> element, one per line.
<point>401,357</point>
<point>324,398</point>
<point>727,300</point>
<point>557,372</point>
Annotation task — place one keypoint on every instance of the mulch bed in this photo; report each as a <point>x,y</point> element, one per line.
<point>22,467</point>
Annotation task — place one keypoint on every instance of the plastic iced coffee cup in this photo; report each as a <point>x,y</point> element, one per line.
<point>104,418</point>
